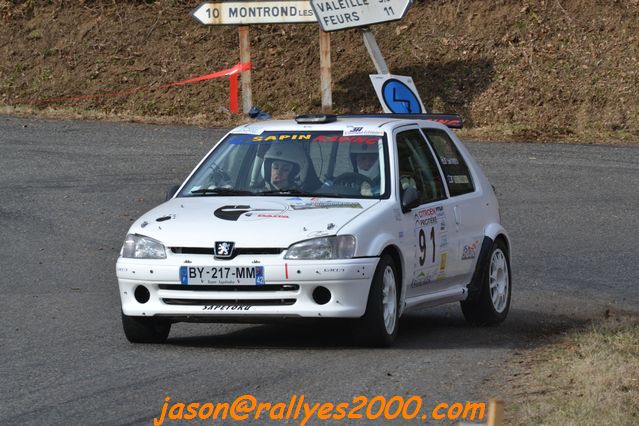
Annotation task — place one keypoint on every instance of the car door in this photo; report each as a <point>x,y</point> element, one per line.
<point>429,238</point>
<point>465,201</point>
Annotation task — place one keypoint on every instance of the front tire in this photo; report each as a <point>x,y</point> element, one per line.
<point>491,305</point>
<point>378,327</point>
<point>145,329</point>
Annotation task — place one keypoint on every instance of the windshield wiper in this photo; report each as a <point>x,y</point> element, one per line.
<point>299,193</point>
<point>286,192</point>
<point>220,191</point>
<point>332,195</point>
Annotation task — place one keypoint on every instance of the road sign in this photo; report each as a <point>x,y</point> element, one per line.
<point>254,12</point>
<point>397,94</point>
<point>334,15</point>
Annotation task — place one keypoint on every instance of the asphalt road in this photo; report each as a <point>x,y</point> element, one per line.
<point>69,190</point>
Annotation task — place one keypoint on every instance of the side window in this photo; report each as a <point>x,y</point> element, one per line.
<point>417,167</point>
<point>457,174</point>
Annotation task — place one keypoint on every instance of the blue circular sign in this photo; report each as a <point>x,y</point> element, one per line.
<point>400,98</point>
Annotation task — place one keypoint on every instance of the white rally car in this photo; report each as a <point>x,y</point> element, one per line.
<point>362,217</point>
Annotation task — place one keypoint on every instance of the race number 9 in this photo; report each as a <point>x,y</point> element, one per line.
<point>422,245</point>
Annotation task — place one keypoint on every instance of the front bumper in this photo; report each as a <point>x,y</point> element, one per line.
<point>288,289</point>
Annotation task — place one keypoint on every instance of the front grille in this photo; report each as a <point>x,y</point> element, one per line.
<point>237,251</point>
<point>193,250</point>
<point>233,302</point>
<point>265,250</point>
<point>231,288</point>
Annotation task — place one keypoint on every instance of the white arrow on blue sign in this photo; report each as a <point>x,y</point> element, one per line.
<point>397,94</point>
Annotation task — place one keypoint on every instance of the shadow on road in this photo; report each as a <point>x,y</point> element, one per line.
<point>523,328</point>
<point>436,329</point>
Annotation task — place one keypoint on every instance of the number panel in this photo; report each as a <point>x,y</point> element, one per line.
<point>221,275</point>
<point>430,229</point>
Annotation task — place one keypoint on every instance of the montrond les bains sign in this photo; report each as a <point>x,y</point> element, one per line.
<point>254,12</point>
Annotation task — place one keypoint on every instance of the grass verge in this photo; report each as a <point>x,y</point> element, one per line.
<point>588,377</point>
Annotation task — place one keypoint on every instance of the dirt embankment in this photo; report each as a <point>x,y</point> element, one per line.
<point>524,70</point>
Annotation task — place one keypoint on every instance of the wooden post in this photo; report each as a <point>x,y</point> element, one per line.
<point>495,413</point>
<point>325,71</point>
<point>245,57</point>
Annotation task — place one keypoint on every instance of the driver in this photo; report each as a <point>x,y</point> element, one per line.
<point>285,167</point>
<point>365,159</point>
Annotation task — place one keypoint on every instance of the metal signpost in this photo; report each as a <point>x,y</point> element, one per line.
<point>253,12</point>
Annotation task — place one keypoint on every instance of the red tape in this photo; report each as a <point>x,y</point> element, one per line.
<point>233,105</point>
<point>231,72</point>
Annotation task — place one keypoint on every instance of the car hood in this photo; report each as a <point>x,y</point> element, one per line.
<point>247,221</point>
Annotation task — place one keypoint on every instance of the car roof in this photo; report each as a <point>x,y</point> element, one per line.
<point>340,123</point>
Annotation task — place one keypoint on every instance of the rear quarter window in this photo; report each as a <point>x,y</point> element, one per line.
<point>457,174</point>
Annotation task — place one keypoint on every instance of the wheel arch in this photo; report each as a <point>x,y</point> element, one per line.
<point>493,232</point>
<point>506,241</point>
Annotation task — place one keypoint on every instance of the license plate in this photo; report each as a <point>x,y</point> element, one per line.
<point>222,275</point>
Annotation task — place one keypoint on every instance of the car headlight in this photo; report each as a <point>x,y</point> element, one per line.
<point>341,247</point>
<point>141,247</point>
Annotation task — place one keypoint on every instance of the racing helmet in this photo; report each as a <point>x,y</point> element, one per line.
<point>291,152</point>
<point>362,148</point>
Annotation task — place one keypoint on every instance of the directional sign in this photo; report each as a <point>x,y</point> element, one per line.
<point>336,15</point>
<point>254,12</point>
<point>397,94</point>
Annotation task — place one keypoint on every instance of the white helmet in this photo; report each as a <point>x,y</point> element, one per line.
<point>291,152</point>
<point>362,148</point>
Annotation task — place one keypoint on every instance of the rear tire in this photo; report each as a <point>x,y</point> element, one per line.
<point>145,329</point>
<point>491,305</point>
<point>378,327</point>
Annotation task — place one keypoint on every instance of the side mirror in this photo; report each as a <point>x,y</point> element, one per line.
<point>171,192</point>
<point>410,199</point>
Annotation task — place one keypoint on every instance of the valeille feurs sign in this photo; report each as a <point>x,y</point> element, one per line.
<point>336,15</point>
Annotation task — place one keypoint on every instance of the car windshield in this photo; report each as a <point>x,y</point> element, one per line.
<point>300,163</point>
